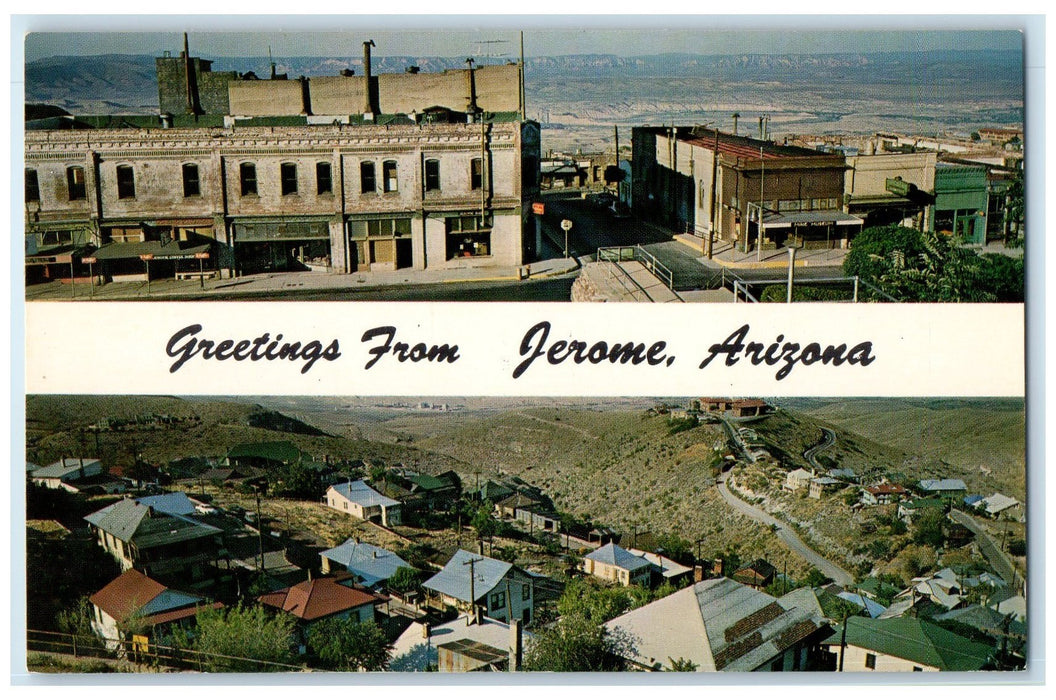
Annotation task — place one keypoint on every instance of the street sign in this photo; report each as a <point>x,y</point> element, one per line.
<point>538,208</point>
<point>147,256</point>
<point>201,256</point>
<point>89,261</point>
<point>566,224</point>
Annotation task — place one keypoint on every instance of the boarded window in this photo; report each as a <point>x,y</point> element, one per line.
<point>32,186</point>
<point>75,182</point>
<point>247,176</point>
<point>192,186</point>
<point>288,176</point>
<point>367,179</point>
<point>324,181</point>
<point>126,182</point>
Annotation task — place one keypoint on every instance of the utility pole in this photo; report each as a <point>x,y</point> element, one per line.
<point>714,190</point>
<point>260,532</point>
<point>472,589</point>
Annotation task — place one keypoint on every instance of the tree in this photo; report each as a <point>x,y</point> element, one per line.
<point>815,578</point>
<point>248,634</point>
<point>680,665</point>
<point>349,645</point>
<point>405,580</point>
<point>927,527</point>
<point>577,643</point>
<point>76,621</point>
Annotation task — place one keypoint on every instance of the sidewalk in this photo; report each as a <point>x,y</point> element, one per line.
<point>271,282</point>
<point>725,255</point>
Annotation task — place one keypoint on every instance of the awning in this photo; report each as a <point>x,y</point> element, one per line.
<point>51,255</point>
<point>825,217</point>
<point>173,250</point>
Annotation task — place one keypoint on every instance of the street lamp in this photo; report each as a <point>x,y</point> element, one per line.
<point>791,268</point>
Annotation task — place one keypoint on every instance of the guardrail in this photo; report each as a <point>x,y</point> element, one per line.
<point>639,254</point>
<point>740,285</point>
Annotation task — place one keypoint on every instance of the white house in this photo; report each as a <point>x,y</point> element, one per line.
<point>357,499</point>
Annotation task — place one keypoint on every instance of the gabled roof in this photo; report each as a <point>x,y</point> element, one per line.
<point>68,465</point>
<point>359,492</point>
<point>129,521</point>
<point>669,568</point>
<point>986,619</point>
<point>998,502</point>
<point>885,488</point>
<point>315,599</point>
<point>759,566</point>
<point>943,485</point>
<point>134,593</point>
<point>719,625</point>
<point>453,579</point>
<point>368,563</point>
<point>916,640</point>
<point>615,555</point>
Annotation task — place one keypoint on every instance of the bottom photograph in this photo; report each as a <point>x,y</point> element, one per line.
<point>442,534</point>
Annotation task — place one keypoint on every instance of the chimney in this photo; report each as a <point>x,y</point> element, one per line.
<point>736,116</point>
<point>760,128</point>
<point>516,645</point>
<point>472,108</point>
<point>427,630</point>
<point>368,103</point>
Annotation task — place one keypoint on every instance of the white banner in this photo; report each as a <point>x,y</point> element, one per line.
<point>492,349</point>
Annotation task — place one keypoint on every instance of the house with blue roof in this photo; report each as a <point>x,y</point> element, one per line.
<point>943,487</point>
<point>361,501</point>
<point>369,565</point>
<point>479,584</point>
<point>614,563</point>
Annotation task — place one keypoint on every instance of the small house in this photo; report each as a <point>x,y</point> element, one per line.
<point>369,565</point>
<point>759,574</point>
<point>473,583</point>
<point>361,501</point>
<point>797,479</point>
<point>613,563</point>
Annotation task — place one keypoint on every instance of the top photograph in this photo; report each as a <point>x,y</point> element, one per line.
<point>621,164</point>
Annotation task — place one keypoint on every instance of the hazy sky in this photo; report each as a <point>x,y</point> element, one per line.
<point>543,35</point>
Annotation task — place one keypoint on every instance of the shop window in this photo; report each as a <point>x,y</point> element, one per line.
<point>288,177</point>
<point>368,181</point>
<point>432,175</point>
<point>389,176</point>
<point>32,186</point>
<point>75,182</point>
<point>126,182</point>
<point>380,228</point>
<point>56,237</point>
<point>476,173</point>
<point>247,176</point>
<point>468,236</point>
<point>192,186</point>
<point>324,181</point>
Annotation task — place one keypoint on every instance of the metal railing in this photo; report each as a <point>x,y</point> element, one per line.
<point>742,286</point>
<point>622,277</point>
<point>638,254</point>
<point>146,654</point>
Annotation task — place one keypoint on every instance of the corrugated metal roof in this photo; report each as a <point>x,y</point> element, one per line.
<point>129,521</point>
<point>172,503</point>
<point>359,492</point>
<point>453,579</point>
<point>57,470</point>
<point>914,640</point>
<point>943,485</point>
<point>370,564</point>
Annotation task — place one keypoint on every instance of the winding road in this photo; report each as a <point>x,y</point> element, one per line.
<point>828,439</point>
<point>783,531</point>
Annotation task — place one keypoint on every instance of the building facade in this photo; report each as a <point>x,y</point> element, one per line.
<point>237,176</point>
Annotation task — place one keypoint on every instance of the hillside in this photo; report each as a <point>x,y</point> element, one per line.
<point>57,426</point>
<point>979,440</point>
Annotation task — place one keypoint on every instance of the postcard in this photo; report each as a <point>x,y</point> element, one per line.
<point>468,346</point>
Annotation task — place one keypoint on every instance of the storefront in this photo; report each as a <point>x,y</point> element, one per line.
<point>149,260</point>
<point>54,253</point>
<point>281,245</point>
<point>380,242</point>
<point>803,229</point>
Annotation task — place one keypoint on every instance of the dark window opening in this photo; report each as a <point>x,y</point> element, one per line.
<point>75,182</point>
<point>247,175</point>
<point>389,176</point>
<point>432,175</point>
<point>191,184</point>
<point>476,174</point>
<point>468,236</point>
<point>32,186</point>
<point>368,182</point>
<point>126,182</point>
<point>288,177</point>
<point>324,181</point>
<point>870,661</point>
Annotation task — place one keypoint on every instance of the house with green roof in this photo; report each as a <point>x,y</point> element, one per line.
<point>903,644</point>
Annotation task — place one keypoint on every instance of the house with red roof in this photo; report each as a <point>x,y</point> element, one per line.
<point>321,599</point>
<point>136,608</point>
